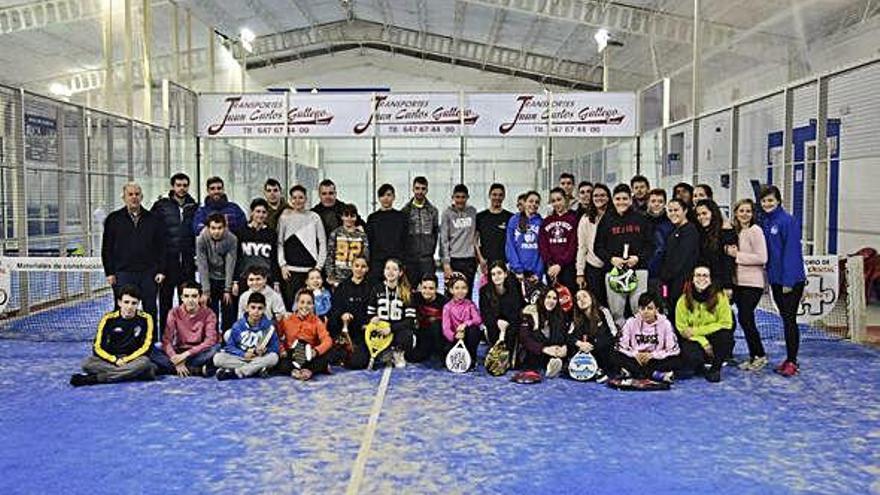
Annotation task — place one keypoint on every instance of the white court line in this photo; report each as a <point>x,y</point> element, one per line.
<point>357,472</point>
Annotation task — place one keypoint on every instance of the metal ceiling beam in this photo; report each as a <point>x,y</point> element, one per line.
<point>457,23</point>
<point>387,16</point>
<point>618,18</point>
<point>347,8</point>
<point>495,30</point>
<point>306,13</point>
<point>343,35</point>
<point>44,13</point>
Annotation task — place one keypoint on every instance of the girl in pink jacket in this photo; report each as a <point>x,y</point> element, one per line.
<point>648,347</point>
<point>461,319</point>
<point>750,254</point>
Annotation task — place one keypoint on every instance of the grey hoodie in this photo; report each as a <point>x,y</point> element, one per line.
<point>458,229</point>
<point>216,259</point>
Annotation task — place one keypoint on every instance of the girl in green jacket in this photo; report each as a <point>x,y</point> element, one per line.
<point>705,323</point>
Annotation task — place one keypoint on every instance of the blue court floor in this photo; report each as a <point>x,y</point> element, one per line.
<point>435,432</point>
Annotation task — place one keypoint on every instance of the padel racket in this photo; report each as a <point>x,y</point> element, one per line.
<point>582,367</point>
<point>458,359</point>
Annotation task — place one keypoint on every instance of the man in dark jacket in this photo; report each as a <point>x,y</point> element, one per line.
<point>176,212</point>
<point>330,208</point>
<point>133,247</point>
<point>423,232</point>
<point>217,202</point>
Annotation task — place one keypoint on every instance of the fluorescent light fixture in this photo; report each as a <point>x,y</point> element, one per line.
<point>601,38</point>
<point>59,89</point>
<point>247,39</point>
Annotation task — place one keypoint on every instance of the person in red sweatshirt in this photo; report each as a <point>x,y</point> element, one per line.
<point>557,242</point>
<point>305,342</point>
<point>190,339</point>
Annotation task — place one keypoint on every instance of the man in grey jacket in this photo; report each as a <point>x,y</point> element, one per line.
<point>424,226</point>
<point>458,233</point>
<point>216,255</point>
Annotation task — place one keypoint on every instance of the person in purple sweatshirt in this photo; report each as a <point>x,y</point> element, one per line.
<point>461,319</point>
<point>648,347</point>
<point>557,242</point>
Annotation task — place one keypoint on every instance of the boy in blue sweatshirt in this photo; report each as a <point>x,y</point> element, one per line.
<point>252,346</point>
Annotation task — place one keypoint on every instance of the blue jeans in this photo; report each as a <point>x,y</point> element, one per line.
<point>166,367</point>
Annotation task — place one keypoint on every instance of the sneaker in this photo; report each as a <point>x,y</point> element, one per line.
<point>554,367</point>
<point>601,377</point>
<point>398,359</point>
<point>624,373</point>
<point>747,365</point>
<point>788,368</point>
<point>301,374</point>
<point>226,374</point>
<point>208,370</point>
<point>82,379</point>
<point>264,373</point>
<point>663,376</point>
<point>713,375</point>
<point>755,364</point>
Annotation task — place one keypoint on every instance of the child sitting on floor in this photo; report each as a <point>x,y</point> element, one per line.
<point>305,345</point>
<point>252,347</point>
<point>648,347</point>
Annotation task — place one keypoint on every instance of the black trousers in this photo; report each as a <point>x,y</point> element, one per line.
<point>225,312</point>
<point>178,269</point>
<point>472,336</point>
<point>290,287</point>
<point>596,283</point>
<point>788,308</point>
<point>493,333</point>
<point>428,343</point>
<point>567,277</point>
<point>694,356</point>
<point>468,268</point>
<point>417,268</point>
<point>622,361</point>
<point>402,341</point>
<point>746,300</point>
<point>318,364</point>
<point>146,283</point>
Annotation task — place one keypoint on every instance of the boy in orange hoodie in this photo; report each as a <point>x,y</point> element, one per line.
<point>305,343</point>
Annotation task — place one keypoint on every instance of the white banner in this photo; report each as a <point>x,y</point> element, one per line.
<point>5,284</point>
<point>419,115</point>
<point>243,115</point>
<point>327,115</point>
<point>571,115</point>
<point>59,264</point>
<point>822,288</point>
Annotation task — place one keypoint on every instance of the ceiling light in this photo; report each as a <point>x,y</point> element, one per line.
<point>601,38</point>
<point>59,89</point>
<point>247,39</point>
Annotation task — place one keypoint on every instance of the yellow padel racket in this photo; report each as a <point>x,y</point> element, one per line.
<point>376,341</point>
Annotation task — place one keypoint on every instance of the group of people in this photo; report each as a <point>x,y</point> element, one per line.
<point>643,283</point>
